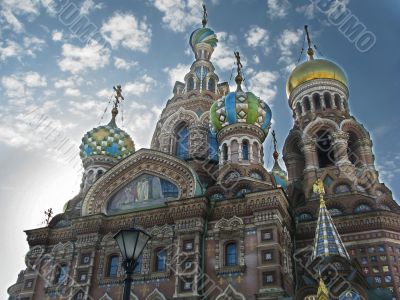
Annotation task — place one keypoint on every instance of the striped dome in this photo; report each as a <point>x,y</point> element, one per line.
<point>106,140</point>
<point>203,35</point>
<point>240,107</point>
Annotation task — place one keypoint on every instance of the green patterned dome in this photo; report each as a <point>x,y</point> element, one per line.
<point>107,140</point>
<point>203,35</point>
<point>240,107</point>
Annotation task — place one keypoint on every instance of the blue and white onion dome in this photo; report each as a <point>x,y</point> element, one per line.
<point>240,107</point>
<point>108,140</point>
<point>203,35</point>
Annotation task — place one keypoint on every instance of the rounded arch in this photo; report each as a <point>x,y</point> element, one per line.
<point>306,103</point>
<point>319,124</point>
<point>328,100</point>
<point>293,155</point>
<point>350,125</point>
<point>182,115</point>
<point>338,101</point>
<point>316,98</point>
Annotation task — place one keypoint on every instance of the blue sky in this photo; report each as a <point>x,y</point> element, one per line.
<point>54,85</point>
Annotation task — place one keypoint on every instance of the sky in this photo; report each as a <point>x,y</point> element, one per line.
<point>56,80</point>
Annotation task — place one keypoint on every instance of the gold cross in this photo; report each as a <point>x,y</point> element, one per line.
<point>118,95</point>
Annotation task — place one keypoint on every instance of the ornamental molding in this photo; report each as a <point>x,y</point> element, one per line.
<point>230,294</point>
<point>318,85</point>
<point>156,295</point>
<point>143,161</point>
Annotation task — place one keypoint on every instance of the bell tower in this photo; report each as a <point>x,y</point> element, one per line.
<point>328,143</point>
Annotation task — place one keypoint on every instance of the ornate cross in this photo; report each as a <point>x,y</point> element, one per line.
<point>274,139</point>
<point>118,95</point>
<point>238,63</point>
<point>205,16</point>
<point>49,214</point>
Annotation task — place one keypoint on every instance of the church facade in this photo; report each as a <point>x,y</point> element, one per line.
<point>222,225</point>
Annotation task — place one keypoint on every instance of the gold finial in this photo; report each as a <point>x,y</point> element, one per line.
<point>205,16</point>
<point>118,98</point>
<point>318,188</point>
<point>310,51</point>
<point>322,293</point>
<point>238,78</point>
<point>276,154</point>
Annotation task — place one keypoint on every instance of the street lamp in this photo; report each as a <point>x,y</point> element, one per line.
<point>131,243</point>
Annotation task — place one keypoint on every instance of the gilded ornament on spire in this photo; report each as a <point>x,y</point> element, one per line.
<point>318,188</point>
<point>323,293</point>
<point>276,154</point>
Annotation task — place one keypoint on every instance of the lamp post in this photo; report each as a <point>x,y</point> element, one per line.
<point>131,243</point>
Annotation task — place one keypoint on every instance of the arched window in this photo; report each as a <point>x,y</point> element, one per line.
<point>112,266</point>
<point>61,274</point>
<point>182,142</point>
<point>231,254</point>
<point>305,217</point>
<point>307,105</point>
<point>190,84</point>
<point>327,100</point>
<point>317,101</point>
<point>245,150</point>
<point>212,146</point>
<point>138,265</point>
<point>224,152</point>
<point>338,102</point>
<point>160,260</point>
<point>211,85</point>
<point>99,173</point>
<point>325,153</point>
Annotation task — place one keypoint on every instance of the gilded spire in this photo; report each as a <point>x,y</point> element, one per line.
<point>239,77</point>
<point>279,174</point>
<point>310,51</point>
<point>327,240</point>
<point>118,97</point>
<point>323,293</point>
<point>205,16</point>
<point>276,154</point>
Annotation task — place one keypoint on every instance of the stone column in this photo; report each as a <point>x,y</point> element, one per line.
<point>310,154</point>
<point>340,139</point>
<point>251,158</point>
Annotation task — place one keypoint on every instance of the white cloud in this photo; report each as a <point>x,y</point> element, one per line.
<point>139,87</point>
<point>263,84</point>
<point>177,74</point>
<point>12,49</point>
<point>57,35</point>
<point>127,31</point>
<point>89,6</point>
<point>277,8</point>
<point>223,57</point>
<point>104,93</point>
<point>308,10</point>
<point>122,64</point>
<point>75,59</point>
<point>82,108</point>
<point>141,121</point>
<point>33,44</point>
<point>179,14</point>
<point>72,92</point>
<point>256,59</point>
<point>286,41</point>
<point>12,20</point>
<point>257,36</point>
<point>19,86</point>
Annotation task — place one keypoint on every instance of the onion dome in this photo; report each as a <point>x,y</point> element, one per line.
<point>315,69</point>
<point>203,35</point>
<point>240,107</point>
<point>107,140</point>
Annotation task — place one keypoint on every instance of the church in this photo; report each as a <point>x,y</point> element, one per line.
<point>222,226</point>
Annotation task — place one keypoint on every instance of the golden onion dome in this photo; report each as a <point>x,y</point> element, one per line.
<point>314,69</point>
